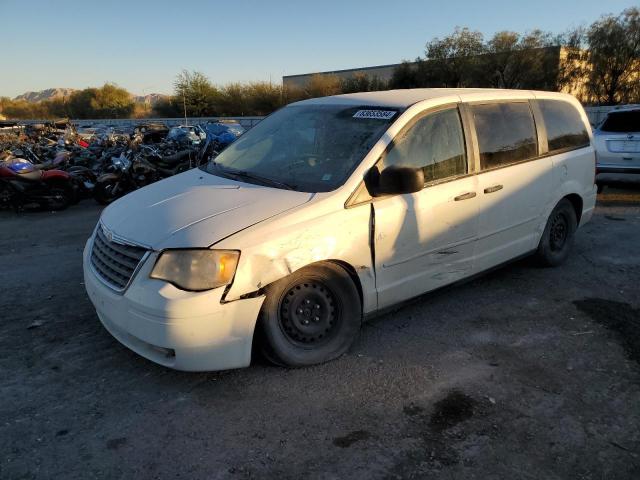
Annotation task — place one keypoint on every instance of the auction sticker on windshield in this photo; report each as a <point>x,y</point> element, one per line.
<point>379,114</point>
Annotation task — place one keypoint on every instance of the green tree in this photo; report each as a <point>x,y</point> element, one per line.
<point>263,98</point>
<point>169,107</point>
<point>453,60</point>
<point>405,75</point>
<point>521,61</point>
<point>232,100</point>
<point>603,59</point>
<point>613,56</point>
<point>197,93</point>
<point>111,101</point>
<point>323,85</point>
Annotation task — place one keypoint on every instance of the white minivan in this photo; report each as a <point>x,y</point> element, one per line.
<point>332,209</point>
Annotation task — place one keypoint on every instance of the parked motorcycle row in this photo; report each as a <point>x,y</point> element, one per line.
<point>51,166</point>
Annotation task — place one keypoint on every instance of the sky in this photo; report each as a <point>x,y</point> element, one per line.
<point>142,45</point>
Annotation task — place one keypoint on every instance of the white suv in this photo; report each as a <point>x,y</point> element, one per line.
<point>333,209</point>
<point>617,143</point>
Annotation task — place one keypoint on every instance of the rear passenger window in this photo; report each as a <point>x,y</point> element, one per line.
<point>565,128</point>
<point>506,133</point>
<point>434,143</point>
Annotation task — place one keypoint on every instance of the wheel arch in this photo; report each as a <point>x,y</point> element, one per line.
<point>346,266</point>
<point>577,203</point>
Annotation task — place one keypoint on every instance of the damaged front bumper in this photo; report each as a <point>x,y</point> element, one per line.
<point>193,331</point>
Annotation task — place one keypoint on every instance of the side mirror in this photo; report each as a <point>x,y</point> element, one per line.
<point>398,180</point>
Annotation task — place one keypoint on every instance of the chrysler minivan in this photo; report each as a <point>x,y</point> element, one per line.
<point>333,209</point>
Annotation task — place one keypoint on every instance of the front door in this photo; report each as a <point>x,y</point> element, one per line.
<point>426,239</point>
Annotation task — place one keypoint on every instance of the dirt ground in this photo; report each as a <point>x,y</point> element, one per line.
<point>524,373</point>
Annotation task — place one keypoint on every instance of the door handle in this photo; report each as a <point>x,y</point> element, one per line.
<point>465,196</point>
<point>492,189</point>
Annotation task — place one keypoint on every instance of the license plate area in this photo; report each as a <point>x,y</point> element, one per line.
<point>624,146</point>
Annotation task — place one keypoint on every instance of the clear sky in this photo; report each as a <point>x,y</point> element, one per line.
<point>142,45</point>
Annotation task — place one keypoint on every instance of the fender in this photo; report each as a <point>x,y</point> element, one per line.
<point>55,174</point>
<point>108,176</point>
<point>277,247</point>
<point>5,172</point>
<point>83,172</point>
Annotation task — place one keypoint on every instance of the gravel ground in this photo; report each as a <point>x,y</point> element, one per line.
<point>522,373</point>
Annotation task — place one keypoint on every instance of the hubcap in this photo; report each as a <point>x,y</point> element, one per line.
<point>558,232</point>
<point>309,313</point>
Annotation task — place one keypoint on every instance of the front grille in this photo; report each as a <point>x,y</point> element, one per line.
<point>115,263</point>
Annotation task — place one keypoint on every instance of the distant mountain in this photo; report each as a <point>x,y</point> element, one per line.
<point>48,94</point>
<point>51,93</point>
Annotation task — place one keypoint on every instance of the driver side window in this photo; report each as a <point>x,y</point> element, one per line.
<point>434,143</point>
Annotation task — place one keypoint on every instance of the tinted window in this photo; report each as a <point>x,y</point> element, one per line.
<point>565,128</point>
<point>506,133</point>
<point>622,122</point>
<point>434,143</point>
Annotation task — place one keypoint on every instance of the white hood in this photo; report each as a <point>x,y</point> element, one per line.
<point>194,209</point>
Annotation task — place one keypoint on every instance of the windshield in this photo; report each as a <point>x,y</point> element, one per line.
<point>622,122</point>
<point>311,148</point>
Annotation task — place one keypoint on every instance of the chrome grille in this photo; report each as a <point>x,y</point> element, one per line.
<point>115,263</point>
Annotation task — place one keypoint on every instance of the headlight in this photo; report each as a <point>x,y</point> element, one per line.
<point>196,270</point>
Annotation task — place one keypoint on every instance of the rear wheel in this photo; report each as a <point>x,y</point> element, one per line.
<point>309,317</point>
<point>60,196</point>
<point>557,238</point>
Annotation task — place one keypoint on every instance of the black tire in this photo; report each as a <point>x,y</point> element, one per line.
<point>103,192</point>
<point>61,196</point>
<point>557,238</point>
<point>7,197</point>
<point>310,317</point>
<point>600,187</point>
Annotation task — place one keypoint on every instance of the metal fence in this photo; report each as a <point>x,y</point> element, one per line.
<point>595,114</point>
<point>246,122</point>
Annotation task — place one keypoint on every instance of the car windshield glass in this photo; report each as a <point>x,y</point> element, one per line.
<point>622,122</point>
<point>311,148</point>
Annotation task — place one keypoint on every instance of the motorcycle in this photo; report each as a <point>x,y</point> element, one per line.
<point>143,168</point>
<point>83,179</point>
<point>22,184</point>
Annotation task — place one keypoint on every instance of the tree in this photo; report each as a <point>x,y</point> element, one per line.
<point>111,101</point>
<point>603,59</point>
<point>197,94</point>
<point>613,56</point>
<point>521,61</point>
<point>263,98</point>
<point>168,107</point>
<point>232,100</point>
<point>453,60</point>
<point>108,101</point>
<point>323,85</point>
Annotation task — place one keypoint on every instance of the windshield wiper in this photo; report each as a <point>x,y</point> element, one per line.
<point>252,176</point>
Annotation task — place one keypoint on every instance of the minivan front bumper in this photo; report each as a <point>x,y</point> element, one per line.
<point>193,331</point>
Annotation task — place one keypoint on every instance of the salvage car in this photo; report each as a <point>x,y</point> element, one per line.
<point>617,143</point>
<point>333,209</point>
<point>220,127</point>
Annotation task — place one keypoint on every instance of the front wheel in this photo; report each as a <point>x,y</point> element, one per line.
<point>106,191</point>
<point>557,238</point>
<point>309,317</point>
